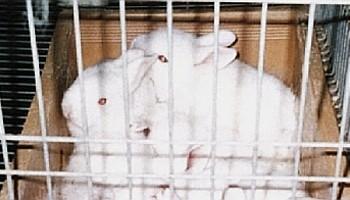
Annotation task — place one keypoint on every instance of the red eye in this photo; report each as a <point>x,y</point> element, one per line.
<point>162,59</point>
<point>102,101</point>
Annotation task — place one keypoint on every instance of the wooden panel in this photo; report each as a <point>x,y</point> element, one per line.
<point>320,125</point>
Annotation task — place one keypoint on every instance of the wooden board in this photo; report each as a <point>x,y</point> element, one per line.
<point>100,33</point>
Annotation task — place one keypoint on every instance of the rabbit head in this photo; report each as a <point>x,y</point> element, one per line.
<point>103,98</point>
<point>188,52</point>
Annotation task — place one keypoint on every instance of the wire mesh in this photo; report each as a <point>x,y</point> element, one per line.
<point>340,61</point>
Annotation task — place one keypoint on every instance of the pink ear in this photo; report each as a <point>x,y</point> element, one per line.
<point>204,56</point>
<point>226,38</point>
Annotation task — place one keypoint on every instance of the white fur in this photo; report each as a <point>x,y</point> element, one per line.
<point>107,122</point>
<point>236,110</point>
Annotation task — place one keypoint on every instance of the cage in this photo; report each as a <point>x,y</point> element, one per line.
<point>313,64</point>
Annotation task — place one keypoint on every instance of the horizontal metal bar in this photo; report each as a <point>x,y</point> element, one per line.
<point>17,76</point>
<point>334,2</point>
<point>67,139</point>
<point>18,84</point>
<point>18,62</point>
<point>17,92</point>
<point>19,54</point>
<point>21,24</point>
<point>21,48</point>
<point>23,42</point>
<point>174,176</point>
<point>17,108</point>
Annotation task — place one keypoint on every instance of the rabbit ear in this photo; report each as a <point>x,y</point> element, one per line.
<point>204,56</point>
<point>138,69</point>
<point>226,38</point>
<point>139,42</point>
<point>133,54</point>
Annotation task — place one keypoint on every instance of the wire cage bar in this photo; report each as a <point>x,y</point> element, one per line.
<point>39,92</point>
<point>126,91</point>
<point>262,37</point>
<point>47,137</point>
<point>79,61</point>
<point>6,158</point>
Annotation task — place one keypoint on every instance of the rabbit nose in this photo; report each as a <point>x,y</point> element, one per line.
<point>146,131</point>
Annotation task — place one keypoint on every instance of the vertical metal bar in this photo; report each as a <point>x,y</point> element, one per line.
<point>344,123</point>
<point>341,45</point>
<point>76,23</point>
<point>259,93</point>
<point>344,46</point>
<point>170,94</point>
<point>346,51</point>
<point>126,93</point>
<point>305,79</point>
<point>39,95</point>
<point>10,190</point>
<point>214,100</point>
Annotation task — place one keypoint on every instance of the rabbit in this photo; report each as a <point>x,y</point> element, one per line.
<point>236,104</point>
<point>156,43</point>
<point>104,93</point>
<point>105,120</point>
<point>183,127</point>
<point>157,120</point>
<point>84,3</point>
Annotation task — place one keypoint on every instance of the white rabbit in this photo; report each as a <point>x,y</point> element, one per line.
<point>184,56</point>
<point>183,125</point>
<point>83,2</point>
<point>105,120</point>
<point>236,107</point>
<point>104,92</point>
<point>184,120</point>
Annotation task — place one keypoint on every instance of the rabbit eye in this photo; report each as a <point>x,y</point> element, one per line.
<point>102,101</point>
<point>162,59</point>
